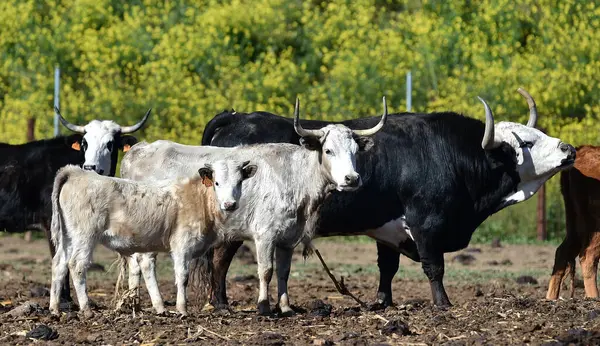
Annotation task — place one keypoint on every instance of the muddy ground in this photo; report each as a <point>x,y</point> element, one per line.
<point>498,296</point>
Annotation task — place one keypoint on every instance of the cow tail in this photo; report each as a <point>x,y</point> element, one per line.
<point>201,276</point>
<point>220,120</point>
<point>57,228</point>
<point>121,277</point>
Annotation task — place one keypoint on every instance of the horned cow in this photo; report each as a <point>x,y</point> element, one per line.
<point>429,182</point>
<point>280,208</point>
<point>181,217</point>
<point>580,188</point>
<point>27,171</point>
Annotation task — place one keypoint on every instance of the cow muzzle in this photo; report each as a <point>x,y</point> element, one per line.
<point>351,182</point>
<point>571,154</point>
<point>230,206</point>
<point>93,168</point>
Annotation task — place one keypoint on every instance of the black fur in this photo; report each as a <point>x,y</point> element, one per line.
<point>429,167</point>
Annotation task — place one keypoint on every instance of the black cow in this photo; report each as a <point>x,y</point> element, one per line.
<point>428,183</point>
<point>27,172</point>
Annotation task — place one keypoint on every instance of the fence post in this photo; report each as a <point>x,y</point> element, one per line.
<point>408,91</point>
<point>542,232</point>
<point>30,138</point>
<point>56,100</point>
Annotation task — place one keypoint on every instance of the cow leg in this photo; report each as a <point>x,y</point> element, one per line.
<point>135,272</point>
<point>78,265</point>
<point>284,262</point>
<point>432,262</point>
<point>222,257</point>
<point>565,256</point>
<point>388,261</point>
<point>65,290</point>
<point>60,271</point>
<point>181,265</point>
<point>588,259</point>
<point>264,256</point>
<point>148,268</point>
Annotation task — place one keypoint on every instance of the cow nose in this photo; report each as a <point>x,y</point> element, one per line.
<point>568,148</point>
<point>229,206</point>
<point>352,180</point>
<point>89,167</point>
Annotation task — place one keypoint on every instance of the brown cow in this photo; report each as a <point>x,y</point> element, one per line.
<point>580,187</point>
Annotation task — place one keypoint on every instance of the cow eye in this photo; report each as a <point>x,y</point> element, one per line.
<point>216,183</point>
<point>327,151</point>
<point>526,144</point>
<point>109,146</point>
<point>84,144</point>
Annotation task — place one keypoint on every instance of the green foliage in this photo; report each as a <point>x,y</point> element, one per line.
<point>190,60</point>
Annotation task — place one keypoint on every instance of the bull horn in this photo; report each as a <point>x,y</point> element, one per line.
<point>488,141</point>
<point>301,131</point>
<point>373,130</point>
<point>72,127</point>
<point>133,128</point>
<point>532,107</point>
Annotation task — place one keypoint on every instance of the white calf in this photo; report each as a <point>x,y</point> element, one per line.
<point>178,216</point>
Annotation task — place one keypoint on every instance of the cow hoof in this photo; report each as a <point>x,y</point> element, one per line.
<point>88,314</point>
<point>443,307</point>
<point>221,307</point>
<point>263,308</point>
<point>287,313</point>
<point>376,306</point>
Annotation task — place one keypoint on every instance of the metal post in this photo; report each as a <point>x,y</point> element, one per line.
<point>56,100</point>
<point>408,91</point>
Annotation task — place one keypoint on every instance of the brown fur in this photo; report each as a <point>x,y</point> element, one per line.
<point>580,187</point>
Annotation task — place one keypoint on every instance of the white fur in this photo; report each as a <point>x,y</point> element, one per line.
<point>279,207</point>
<point>177,216</point>
<point>535,165</point>
<point>97,136</point>
<point>392,233</point>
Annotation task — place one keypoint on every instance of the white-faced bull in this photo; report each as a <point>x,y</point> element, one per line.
<point>279,206</point>
<point>101,142</point>
<point>28,171</point>
<point>429,182</point>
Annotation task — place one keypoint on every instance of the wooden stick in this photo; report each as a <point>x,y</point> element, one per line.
<point>340,286</point>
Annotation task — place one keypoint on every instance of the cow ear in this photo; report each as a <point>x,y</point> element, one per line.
<point>74,141</point>
<point>364,143</point>
<point>248,170</point>
<point>310,143</point>
<point>206,173</point>
<point>127,142</point>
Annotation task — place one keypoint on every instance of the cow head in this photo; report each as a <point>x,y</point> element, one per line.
<point>102,141</point>
<point>338,145</point>
<point>227,176</point>
<point>537,155</point>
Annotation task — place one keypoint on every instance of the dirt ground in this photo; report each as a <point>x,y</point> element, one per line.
<point>498,296</point>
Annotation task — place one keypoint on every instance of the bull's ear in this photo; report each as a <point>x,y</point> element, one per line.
<point>206,173</point>
<point>310,143</point>
<point>127,142</point>
<point>248,170</point>
<point>74,141</point>
<point>364,143</point>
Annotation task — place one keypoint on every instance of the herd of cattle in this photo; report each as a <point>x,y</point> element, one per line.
<point>419,184</point>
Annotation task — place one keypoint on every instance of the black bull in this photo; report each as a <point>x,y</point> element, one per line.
<point>430,168</point>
